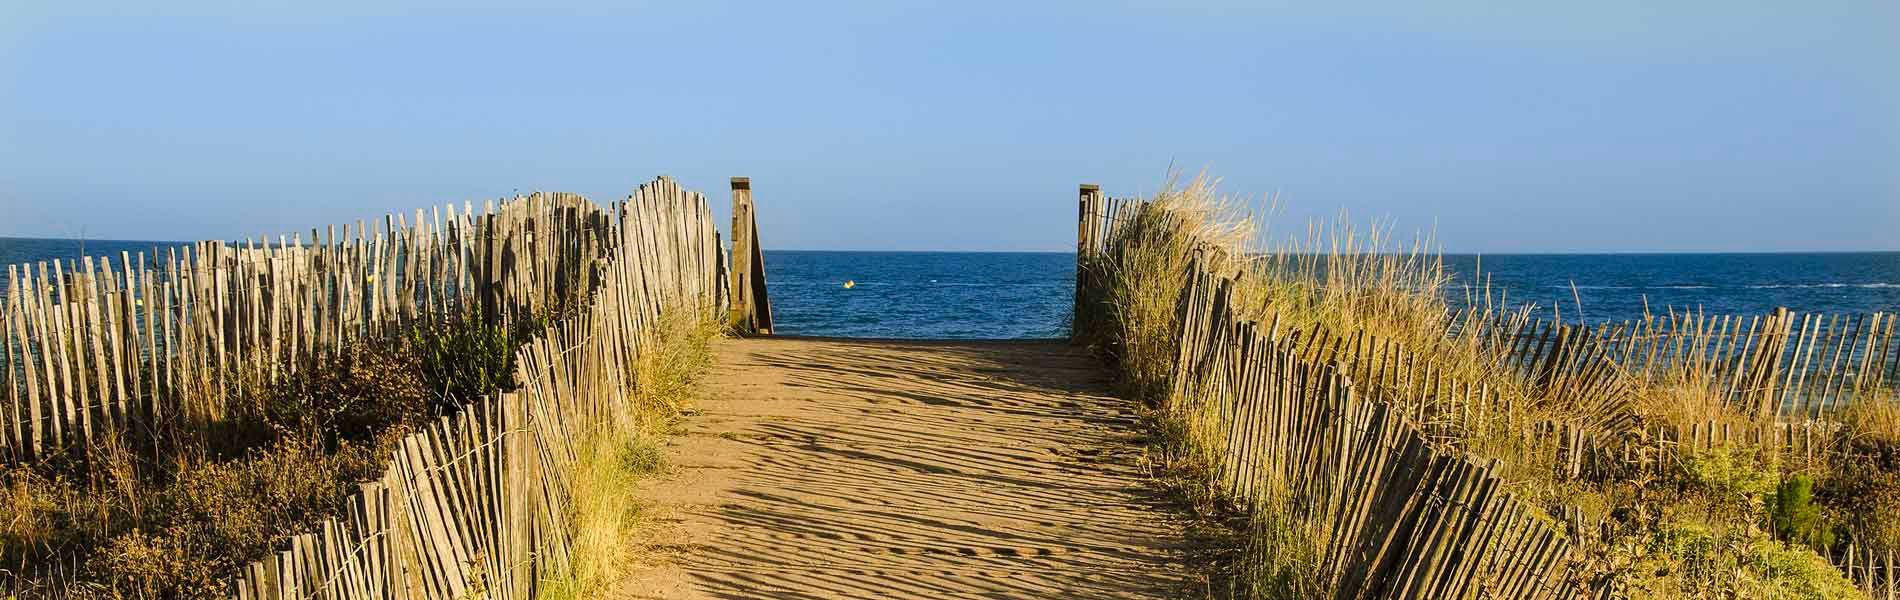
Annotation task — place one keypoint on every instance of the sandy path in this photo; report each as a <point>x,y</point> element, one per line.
<point>882,469</point>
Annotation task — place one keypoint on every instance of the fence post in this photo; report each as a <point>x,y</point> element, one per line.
<point>1086,217</point>
<point>752,307</point>
<point>1085,226</point>
<point>741,252</point>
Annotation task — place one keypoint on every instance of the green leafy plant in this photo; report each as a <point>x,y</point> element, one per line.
<point>1795,518</point>
<point>1682,559</point>
<point>468,357</point>
<point>1731,481</point>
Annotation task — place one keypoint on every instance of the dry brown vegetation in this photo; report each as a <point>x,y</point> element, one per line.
<point>1735,522</point>
<point>119,523</point>
<point>177,516</point>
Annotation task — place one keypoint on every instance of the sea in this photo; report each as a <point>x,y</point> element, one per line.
<point>996,295</point>
<point>1029,295</point>
<point>21,251</point>
<point>1598,288</point>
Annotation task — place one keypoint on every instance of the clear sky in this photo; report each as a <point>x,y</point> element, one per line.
<point>1618,125</point>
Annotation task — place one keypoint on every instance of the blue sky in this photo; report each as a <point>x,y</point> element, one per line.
<point>1576,127</point>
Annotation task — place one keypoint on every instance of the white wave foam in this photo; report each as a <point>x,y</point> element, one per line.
<point>1781,286</point>
<point>1767,286</point>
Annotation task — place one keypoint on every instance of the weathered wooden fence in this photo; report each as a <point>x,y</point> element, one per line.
<point>1786,365</point>
<point>1282,395</point>
<point>1098,217</point>
<point>1403,518</point>
<point>92,348</point>
<point>475,506</point>
<point>1309,427</point>
<point>1788,373</point>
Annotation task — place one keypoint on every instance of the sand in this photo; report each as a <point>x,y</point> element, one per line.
<point>827,468</point>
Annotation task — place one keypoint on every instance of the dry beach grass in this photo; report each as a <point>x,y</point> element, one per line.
<point>1702,529</point>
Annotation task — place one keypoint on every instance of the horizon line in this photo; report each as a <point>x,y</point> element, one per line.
<point>951,251</point>
<point>1510,253</point>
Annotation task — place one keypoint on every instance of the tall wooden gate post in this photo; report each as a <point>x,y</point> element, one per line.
<point>1087,217</point>
<point>740,256</point>
<point>752,308</point>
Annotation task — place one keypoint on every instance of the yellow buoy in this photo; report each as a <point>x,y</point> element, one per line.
<point>849,283</point>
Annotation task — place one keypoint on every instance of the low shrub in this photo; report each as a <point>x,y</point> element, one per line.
<point>368,388</point>
<point>218,516</point>
<point>467,356</point>
<point>1686,559</point>
<point>1862,482</point>
<point>287,455</point>
<point>1794,518</point>
<point>189,531</point>
<point>1730,483</point>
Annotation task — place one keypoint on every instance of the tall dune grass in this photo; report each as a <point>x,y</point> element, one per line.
<point>1140,279</point>
<point>1349,281</point>
<point>1135,322</point>
<point>605,509</point>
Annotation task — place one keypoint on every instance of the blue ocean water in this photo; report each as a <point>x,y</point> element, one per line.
<point>1615,287</point>
<point>1028,295</point>
<point>921,294</point>
<point>995,295</point>
<point>16,251</point>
